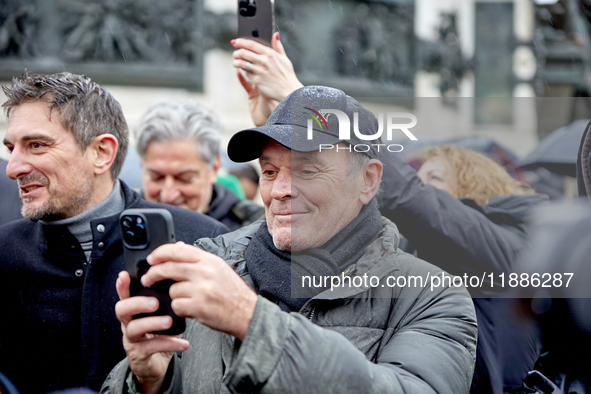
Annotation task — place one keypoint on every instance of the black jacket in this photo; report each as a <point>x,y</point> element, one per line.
<point>227,208</point>
<point>58,326</point>
<point>463,237</point>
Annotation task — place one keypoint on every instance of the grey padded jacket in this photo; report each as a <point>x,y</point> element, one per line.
<point>380,339</point>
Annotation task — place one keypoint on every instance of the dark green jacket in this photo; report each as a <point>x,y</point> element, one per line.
<point>351,340</point>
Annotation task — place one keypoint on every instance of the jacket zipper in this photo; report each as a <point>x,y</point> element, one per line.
<point>312,314</point>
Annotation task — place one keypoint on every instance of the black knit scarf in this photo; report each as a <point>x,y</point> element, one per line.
<point>271,268</point>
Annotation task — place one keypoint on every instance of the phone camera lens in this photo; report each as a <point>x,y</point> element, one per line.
<point>127,221</point>
<point>134,231</point>
<point>247,8</point>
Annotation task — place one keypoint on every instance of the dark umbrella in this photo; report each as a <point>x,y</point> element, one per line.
<point>558,151</point>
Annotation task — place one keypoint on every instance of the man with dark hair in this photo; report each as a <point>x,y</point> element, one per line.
<point>68,140</point>
<point>259,320</point>
<point>86,109</point>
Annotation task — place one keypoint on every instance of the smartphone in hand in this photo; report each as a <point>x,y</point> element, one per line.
<point>144,230</point>
<point>256,20</point>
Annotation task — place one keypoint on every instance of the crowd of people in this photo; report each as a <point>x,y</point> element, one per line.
<point>335,215</point>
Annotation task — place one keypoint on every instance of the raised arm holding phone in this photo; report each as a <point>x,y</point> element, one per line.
<point>270,72</point>
<point>262,66</point>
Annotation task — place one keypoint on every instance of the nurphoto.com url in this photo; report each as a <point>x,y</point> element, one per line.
<point>485,281</point>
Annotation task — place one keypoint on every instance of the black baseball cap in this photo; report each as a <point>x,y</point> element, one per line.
<point>324,108</point>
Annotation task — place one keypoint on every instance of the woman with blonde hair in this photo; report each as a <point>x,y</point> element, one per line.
<point>469,174</point>
<point>464,213</point>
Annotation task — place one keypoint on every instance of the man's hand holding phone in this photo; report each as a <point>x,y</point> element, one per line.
<point>206,289</point>
<point>148,354</point>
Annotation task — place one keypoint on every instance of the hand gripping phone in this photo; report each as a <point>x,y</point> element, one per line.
<point>256,20</point>
<point>144,230</point>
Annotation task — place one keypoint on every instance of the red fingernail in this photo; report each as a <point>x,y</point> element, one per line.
<point>233,42</point>
<point>277,36</point>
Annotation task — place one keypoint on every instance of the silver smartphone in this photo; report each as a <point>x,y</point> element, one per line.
<point>256,20</point>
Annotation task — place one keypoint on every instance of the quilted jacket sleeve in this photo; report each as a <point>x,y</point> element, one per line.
<point>432,351</point>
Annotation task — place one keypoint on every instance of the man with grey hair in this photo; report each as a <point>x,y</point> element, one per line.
<point>67,138</point>
<point>179,143</point>
<point>261,317</point>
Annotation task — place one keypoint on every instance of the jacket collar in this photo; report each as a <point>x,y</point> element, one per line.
<point>57,240</point>
<point>222,201</point>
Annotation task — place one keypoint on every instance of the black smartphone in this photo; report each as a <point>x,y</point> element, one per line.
<point>143,231</point>
<point>256,20</point>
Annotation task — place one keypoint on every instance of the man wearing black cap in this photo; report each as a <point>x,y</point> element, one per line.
<point>316,298</point>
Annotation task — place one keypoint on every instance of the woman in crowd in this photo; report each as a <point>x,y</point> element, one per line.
<point>464,213</point>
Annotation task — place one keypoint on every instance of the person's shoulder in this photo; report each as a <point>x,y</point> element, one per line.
<point>19,238</point>
<point>427,289</point>
<point>247,212</point>
<point>233,243</point>
<point>515,206</point>
<point>416,275</point>
<point>410,265</point>
<point>416,288</point>
<point>390,255</point>
<point>189,224</point>
<point>18,227</point>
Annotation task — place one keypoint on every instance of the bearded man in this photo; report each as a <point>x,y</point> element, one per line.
<point>67,139</point>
